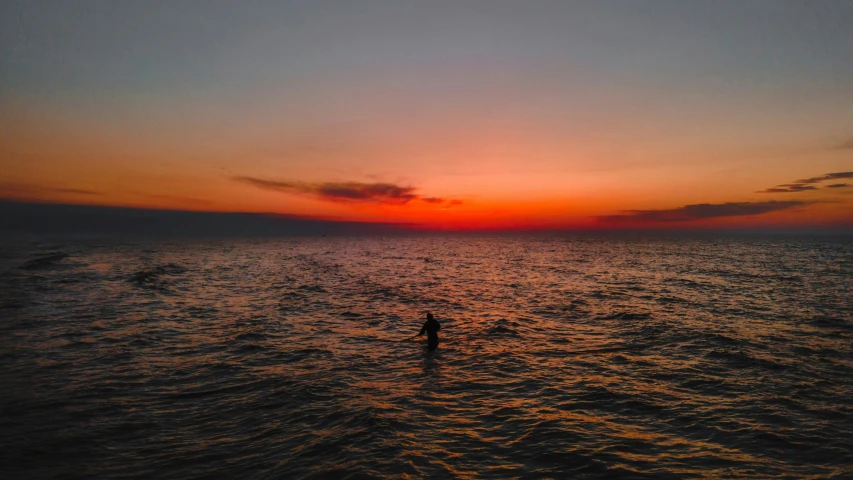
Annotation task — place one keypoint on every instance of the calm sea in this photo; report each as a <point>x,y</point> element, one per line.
<point>560,357</point>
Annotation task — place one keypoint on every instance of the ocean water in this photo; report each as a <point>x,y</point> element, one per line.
<point>560,357</point>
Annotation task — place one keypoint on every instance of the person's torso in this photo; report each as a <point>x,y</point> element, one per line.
<point>432,327</point>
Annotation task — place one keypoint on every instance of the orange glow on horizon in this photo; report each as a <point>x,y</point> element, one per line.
<point>487,179</point>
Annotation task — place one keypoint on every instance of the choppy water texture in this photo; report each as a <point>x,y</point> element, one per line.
<point>575,357</point>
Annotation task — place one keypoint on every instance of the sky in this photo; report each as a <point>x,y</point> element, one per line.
<point>443,114</point>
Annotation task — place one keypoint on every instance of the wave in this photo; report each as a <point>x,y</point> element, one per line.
<point>630,316</point>
<point>44,262</point>
<point>312,288</point>
<point>502,330</point>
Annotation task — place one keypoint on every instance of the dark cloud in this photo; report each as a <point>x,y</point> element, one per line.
<point>789,188</point>
<point>701,211</point>
<point>370,192</point>
<point>382,193</point>
<point>822,178</point>
<point>838,185</point>
<point>805,184</point>
<point>57,219</point>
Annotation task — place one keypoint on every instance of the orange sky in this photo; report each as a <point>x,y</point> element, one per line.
<point>491,120</point>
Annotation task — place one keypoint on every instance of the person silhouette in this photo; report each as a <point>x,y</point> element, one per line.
<point>431,327</point>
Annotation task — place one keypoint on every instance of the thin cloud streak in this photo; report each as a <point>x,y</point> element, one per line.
<point>175,198</point>
<point>828,176</point>
<point>846,145</point>
<point>806,184</point>
<point>76,191</point>
<point>789,188</point>
<point>347,192</point>
<point>701,211</point>
<point>27,189</point>
<point>838,185</point>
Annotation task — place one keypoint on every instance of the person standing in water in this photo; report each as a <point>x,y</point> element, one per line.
<point>431,327</point>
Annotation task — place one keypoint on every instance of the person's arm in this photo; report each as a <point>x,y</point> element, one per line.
<point>423,329</point>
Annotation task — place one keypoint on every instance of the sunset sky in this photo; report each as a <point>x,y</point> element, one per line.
<point>449,114</point>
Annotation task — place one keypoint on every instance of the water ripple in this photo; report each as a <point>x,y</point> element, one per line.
<point>573,357</point>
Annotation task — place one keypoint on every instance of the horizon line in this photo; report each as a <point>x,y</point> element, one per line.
<point>23,221</point>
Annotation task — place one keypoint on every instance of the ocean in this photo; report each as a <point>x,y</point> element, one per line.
<point>560,356</point>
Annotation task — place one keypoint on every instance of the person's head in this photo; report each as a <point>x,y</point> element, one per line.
<point>429,316</point>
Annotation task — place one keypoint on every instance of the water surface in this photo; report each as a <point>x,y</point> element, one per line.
<point>563,357</point>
